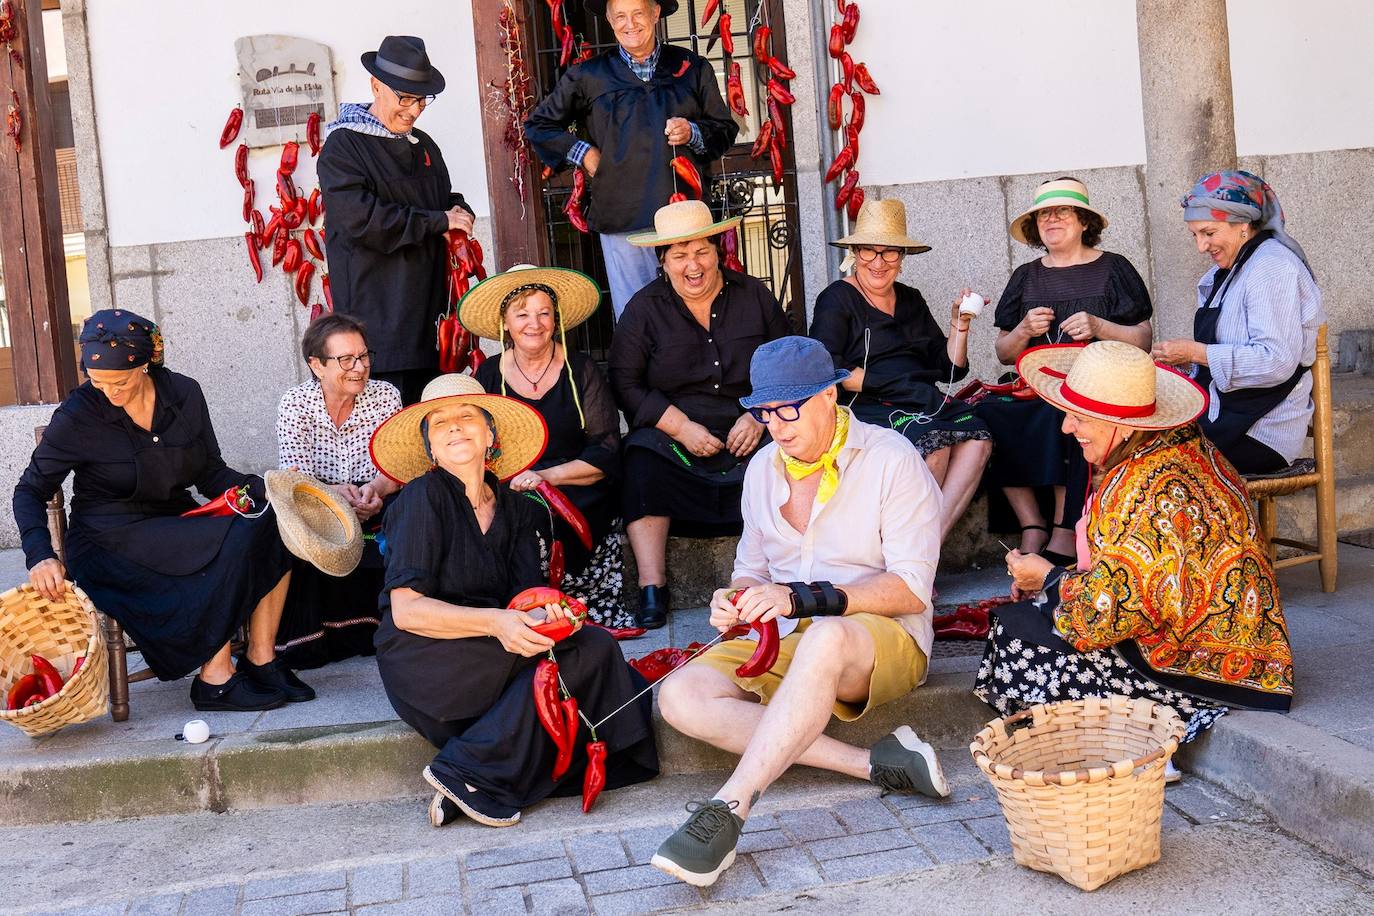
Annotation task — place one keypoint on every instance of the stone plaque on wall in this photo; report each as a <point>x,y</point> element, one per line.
<point>283,79</point>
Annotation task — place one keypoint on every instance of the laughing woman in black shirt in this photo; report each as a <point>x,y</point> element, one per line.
<point>679,365</point>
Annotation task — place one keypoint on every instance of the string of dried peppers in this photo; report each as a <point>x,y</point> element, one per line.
<point>855,81</point>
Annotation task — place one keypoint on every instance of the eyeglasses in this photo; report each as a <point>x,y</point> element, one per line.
<point>1053,213</point>
<point>890,255</point>
<point>787,413</point>
<point>348,360</point>
<point>410,101</point>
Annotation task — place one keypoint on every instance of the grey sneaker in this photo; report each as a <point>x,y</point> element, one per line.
<point>902,762</point>
<point>703,847</point>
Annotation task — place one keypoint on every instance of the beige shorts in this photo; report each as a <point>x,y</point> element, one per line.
<point>898,664</point>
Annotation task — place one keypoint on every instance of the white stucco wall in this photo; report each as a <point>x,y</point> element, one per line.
<point>987,87</point>
<point>165,78</point>
<point>1302,74</point>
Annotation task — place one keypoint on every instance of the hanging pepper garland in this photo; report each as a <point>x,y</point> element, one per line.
<point>14,122</point>
<point>9,31</point>
<point>513,98</point>
<point>854,82</point>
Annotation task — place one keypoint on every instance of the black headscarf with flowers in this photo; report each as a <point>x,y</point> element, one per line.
<point>118,339</point>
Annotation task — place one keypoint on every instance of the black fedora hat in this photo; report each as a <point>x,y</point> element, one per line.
<point>598,7</point>
<point>401,63</point>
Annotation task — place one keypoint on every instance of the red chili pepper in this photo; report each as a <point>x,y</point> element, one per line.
<point>843,160</point>
<point>849,25</point>
<point>779,127</point>
<point>836,41</point>
<point>568,48</point>
<point>762,140</point>
<point>706,13</point>
<point>268,236</point>
<point>841,5</point>
<point>312,245</point>
<point>568,709</point>
<point>864,80</point>
<point>781,70</point>
<point>279,246</point>
<point>677,197</point>
<point>618,633</point>
<point>584,53</point>
<point>248,201</point>
<point>560,503</point>
<point>23,692</point>
<point>847,71</point>
<point>291,218</point>
<point>220,505</point>
<point>557,565</point>
<point>477,357</point>
<point>594,779</point>
<point>538,596</point>
<point>241,164</point>
<point>475,259</point>
<point>778,91</point>
<point>761,35</point>
<point>314,207</point>
<point>775,154</point>
<point>253,260</point>
<point>312,133</point>
<point>856,202</point>
<point>766,654</point>
<point>47,674</point>
<point>729,242</point>
<point>734,90</point>
<point>292,260</point>
<point>446,328</point>
<point>286,191</point>
<point>231,128</point>
<point>255,218</point>
<point>573,208</point>
<point>290,153</point>
<point>687,171</point>
<point>546,705</point>
<point>658,663</point>
<point>727,38</point>
<point>851,136</point>
<point>842,195</point>
<point>835,107</point>
<point>856,115</point>
<point>303,275</point>
<point>963,629</point>
<point>328,296</point>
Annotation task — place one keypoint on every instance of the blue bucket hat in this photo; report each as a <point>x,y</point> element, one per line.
<point>790,369</point>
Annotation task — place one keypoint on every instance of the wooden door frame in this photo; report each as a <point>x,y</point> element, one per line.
<point>34,263</point>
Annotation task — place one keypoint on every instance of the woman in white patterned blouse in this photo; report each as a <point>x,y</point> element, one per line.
<point>323,429</point>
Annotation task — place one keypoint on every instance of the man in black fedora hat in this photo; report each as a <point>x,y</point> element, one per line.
<point>638,105</point>
<point>389,202</point>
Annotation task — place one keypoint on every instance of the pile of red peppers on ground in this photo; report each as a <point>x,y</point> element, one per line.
<point>854,82</point>
<point>43,683</point>
<point>291,233</point>
<point>969,621</point>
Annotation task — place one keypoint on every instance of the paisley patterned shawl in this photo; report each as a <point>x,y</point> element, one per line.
<point>1180,581</point>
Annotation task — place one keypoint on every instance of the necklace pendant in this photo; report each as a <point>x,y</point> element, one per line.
<point>535,386</point>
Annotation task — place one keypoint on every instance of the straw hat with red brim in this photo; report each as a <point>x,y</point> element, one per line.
<point>398,445</point>
<point>1113,381</point>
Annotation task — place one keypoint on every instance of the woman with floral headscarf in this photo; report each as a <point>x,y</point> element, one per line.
<point>1255,330</point>
<point>137,437</point>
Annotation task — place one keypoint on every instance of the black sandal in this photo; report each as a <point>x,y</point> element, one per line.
<point>1025,528</point>
<point>238,694</point>
<point>1061,559</point>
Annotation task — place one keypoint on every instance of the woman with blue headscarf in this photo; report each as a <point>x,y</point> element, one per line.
<point>1255,329</point>
<point>137,437</point>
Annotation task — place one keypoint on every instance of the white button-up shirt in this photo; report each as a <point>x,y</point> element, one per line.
<point>883,517</point>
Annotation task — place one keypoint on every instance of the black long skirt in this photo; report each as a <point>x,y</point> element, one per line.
<point>698,505</point>
<point>503,750</point>
<point>1031,450</point>
<point>330,618</point>
<point>180,622</point>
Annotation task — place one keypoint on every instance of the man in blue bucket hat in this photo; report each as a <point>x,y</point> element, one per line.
<point>841,539</point>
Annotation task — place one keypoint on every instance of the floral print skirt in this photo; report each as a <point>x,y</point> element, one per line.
<point>1017,673</point>
<point>601,583</point>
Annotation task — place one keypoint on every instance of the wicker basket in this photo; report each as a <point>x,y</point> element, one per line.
<point>1082,783</point>
<point>61,632</point>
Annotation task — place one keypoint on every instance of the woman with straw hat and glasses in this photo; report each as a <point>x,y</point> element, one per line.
<point>1171,596</point>
<point>1075,292</point>
<point>882,331</point>
<point>530,310</point>
<point>457,666</point>
<point>679,365</point>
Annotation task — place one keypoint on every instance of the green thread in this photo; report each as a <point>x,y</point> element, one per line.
<point>677,451</point>
<point>1049,195</point>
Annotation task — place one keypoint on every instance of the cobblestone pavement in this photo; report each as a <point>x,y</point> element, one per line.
<point>608,872</point>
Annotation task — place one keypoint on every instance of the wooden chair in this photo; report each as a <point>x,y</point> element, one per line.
<point>114,633</point>
<point>1317,472</point>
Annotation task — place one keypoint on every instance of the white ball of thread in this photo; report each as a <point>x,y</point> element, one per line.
<point>971,304</point>
<point>195,732</point>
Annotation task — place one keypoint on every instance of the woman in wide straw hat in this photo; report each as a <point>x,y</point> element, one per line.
<point>1074,292</point>
<point>1172,596</point>
<point>679,365</point>
<point>883,332</point>
<point>531,310</point>
<point>457,666</point>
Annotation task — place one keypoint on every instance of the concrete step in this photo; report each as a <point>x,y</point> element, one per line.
<point>1352,423</point>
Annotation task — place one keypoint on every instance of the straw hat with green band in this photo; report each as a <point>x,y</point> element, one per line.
<point>575,295</point>
<point>1062,192</point>
<point>398,446</point>
<point>684,221</point>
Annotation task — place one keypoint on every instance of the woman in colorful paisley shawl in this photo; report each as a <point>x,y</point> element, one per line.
<point>1173,597</point>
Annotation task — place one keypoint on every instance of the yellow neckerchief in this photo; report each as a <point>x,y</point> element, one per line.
<point>830,471</point>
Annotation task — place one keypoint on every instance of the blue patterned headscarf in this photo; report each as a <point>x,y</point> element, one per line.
<point>1235,196</point>
<point>118,339</point>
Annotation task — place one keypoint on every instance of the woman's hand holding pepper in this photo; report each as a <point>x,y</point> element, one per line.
<point>556,611</point>
<point>1028,572</point>
<point>744,436</point>
<point>512,628</point>
<point>526,481</point>
<point>764,603</point>
<point>724,614</point>
<point>698,440</point>
<point>48,577</point>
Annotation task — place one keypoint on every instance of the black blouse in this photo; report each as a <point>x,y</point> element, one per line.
<point>1109,288</point>
<point>435,545</point>
<point>599,443</point>
<point>661,356</point>
<point>96,440</point>
<point>905,354</point>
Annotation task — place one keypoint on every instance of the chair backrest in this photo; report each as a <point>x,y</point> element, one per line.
<point>1323,448</point>
<point>57,513</point>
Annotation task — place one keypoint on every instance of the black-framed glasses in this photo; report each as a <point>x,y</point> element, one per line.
<point>410,101</point>
<point>890,255</point>
<point>348,360</point>
<point>787,413</point>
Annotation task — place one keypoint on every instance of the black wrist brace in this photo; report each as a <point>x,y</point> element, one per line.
<point>817,599</point>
